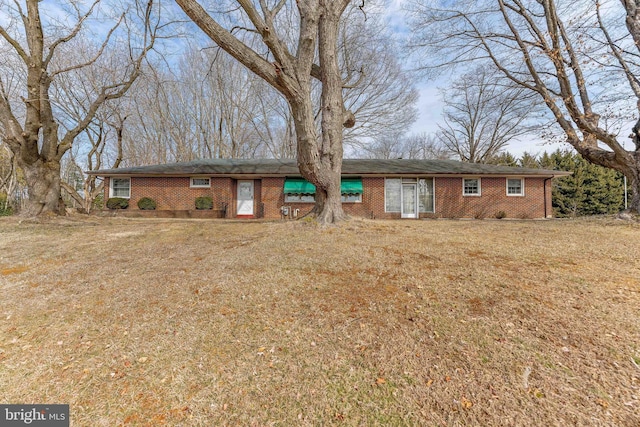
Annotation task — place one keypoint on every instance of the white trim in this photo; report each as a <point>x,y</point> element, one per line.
<point>245,203</point>
<point>434,195</point>
<point>478,194</point>
<point>521,194</point>
<point>192,185</point>
<point>111,179</point>
<point>416,204</point>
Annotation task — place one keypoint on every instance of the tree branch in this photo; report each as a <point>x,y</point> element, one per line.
<point>74,32</point>
<point>633,80</point>
<point>16,46</point>
<point>234,47</point>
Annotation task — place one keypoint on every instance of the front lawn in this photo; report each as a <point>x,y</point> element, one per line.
<point>218,322</point>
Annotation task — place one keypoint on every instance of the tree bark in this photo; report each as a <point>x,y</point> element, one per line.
<point>633,183</point>
<point>333,116</point>
<point>43,185</point>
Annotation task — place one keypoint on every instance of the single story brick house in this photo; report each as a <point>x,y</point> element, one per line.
<point>400,188</point>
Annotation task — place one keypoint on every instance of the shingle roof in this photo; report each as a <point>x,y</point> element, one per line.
<point>286,167</point>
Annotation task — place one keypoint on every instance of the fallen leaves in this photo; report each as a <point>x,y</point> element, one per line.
<point>226,311</point>
<point>466,403</point>
<point>13,270</point>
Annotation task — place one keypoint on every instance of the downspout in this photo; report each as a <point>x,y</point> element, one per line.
<point>545,195</point>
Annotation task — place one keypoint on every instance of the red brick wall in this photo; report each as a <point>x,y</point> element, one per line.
<point>175,194</point>
<point>450,203</point>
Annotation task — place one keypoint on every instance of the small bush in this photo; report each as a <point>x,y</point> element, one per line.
<point>117,203</point>
<point>204,203</point>
<point>501,214</point>
<point>481,213</point>
<point>147,204</point>
<point>98,202</point>
<point>3,201</point>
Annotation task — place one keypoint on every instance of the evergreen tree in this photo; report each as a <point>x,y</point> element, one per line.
<point>591,190</point>
<point>503,159</point>
<point>529,160</point>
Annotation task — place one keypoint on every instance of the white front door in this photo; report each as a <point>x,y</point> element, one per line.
<point>409,201</point>
<point>245,197</point>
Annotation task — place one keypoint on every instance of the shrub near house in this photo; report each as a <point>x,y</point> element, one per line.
<point>147,204</point>
<point>204,203</point>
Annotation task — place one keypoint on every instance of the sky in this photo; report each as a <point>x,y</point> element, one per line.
<point>430,105</point>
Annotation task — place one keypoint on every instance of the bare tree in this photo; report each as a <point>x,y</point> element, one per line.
<point>40,46</point>
<point>482,115</point>
<point>84,189</point>
<point>413,146</point>
<point>207,106</point>
<point>8,175</point>
<point>379,91</point>
<point>288,67</point>
<point>576,57</point>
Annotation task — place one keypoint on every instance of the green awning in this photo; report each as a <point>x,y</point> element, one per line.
<point>302,186</point>
<point>351,186</point>
<point>298,186</point>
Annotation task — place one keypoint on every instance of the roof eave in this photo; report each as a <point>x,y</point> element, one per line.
<point>542,174</point>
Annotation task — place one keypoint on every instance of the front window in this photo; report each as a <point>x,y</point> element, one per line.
<point>515,187</point>
<point>392,188</point>
<point>120,187</point>
<point>425,194</point>
<point>299,198</point>
<point>200,182</point>
<point>471,186</point>
<point>351,198</point>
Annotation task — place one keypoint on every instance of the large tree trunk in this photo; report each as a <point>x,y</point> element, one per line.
<point>320,159</point>
<point>315,166</point>
<point>633,184</point>
<point>320,162</point>
<point>43,184</point>
<point>328,198</point>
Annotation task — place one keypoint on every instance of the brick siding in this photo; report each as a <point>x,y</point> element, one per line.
<point>174,193</point>
<point>450,202</point>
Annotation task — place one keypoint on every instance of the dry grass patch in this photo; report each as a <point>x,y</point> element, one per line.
<point>199,323</point>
